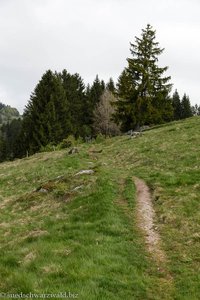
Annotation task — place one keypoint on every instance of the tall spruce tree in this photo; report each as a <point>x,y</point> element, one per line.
<point>75,92</point>
<point>176,103</point>
<point>93,94</point>
<point>186,107</point>
<point>96,90</point>
<point>46,117</point>
<point>148,100</point>
<point>110,86</point>
<point>125,110</point>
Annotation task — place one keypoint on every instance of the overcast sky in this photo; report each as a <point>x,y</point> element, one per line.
<point>92,37</point>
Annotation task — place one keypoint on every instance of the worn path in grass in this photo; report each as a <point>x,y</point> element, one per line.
<point>145,216</point>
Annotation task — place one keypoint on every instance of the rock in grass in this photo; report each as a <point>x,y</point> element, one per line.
<point>77,188</point>
<point>42,190</point>
<point>73,150</point>
<point>86,172</point>
<point>135,134</point>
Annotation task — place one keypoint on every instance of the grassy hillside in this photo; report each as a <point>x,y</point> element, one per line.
<point>65,232</point>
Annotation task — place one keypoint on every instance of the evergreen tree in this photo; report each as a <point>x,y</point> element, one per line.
<point>176,103</point>
<point>88,112</point>
<point>186,107</point>
<point>103,86</point>
<point>110,86</point>
<point>125,112</point>
<point>9,136</point>
<point>93,94</point>
<point>46,117</point>
<point>96,90</point>
<point>75,92</point>
<point>148,100</point>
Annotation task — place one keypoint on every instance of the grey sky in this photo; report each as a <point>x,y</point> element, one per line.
<point>92,37</point>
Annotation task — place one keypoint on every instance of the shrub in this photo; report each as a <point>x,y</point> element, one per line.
<point>48,148</point>
<point>68,142</point>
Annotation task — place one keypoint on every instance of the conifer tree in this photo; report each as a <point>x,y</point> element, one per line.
<point>148,100</point>
<point>75,92</point>
<point>125,112</point>
<point>93,94</point>
<point>186,107</point>
<point>176,103</point>
<point>96,90</point>
<point>110,86</point>
<point>46,117</point>
<point>9,135</point>
<point>103,86</point>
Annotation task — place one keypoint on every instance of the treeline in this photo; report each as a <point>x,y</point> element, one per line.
<point>61,105</point>
<point>182,108</point>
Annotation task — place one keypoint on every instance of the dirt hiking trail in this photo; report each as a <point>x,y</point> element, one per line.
<point>145,218</point>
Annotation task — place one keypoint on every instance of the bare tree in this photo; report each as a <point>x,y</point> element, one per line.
<point>103,112</point>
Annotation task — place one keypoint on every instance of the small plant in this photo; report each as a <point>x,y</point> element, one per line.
<point>48,148</point>
<point>99,138</point>
<point>68,142</point>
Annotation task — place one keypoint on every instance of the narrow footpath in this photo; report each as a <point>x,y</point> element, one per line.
<point>145,220</point>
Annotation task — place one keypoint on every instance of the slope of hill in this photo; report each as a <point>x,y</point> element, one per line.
<point>66,232</point>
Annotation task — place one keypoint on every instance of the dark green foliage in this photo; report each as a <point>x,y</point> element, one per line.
<point>93,94</point>
<point>186,107</point>
<point>2,149</point>
<point>9,131</point>
<point>125,113</point>
<point>143,91</point>
<point>58,107</point>
<point>103,86</point>
<point>75,92</point>
<point>2,105</point>
<point>96,90</point>
<point>176,102</point>
<point>8,141</point>
<point>110,86</point>
<point>125,87</point>
<point>46,117</point>
<point>182,108</point>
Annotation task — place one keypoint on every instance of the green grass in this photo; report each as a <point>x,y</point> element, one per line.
<point>86,241</point>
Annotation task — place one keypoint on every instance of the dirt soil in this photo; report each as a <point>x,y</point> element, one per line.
<point>146,217</point>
